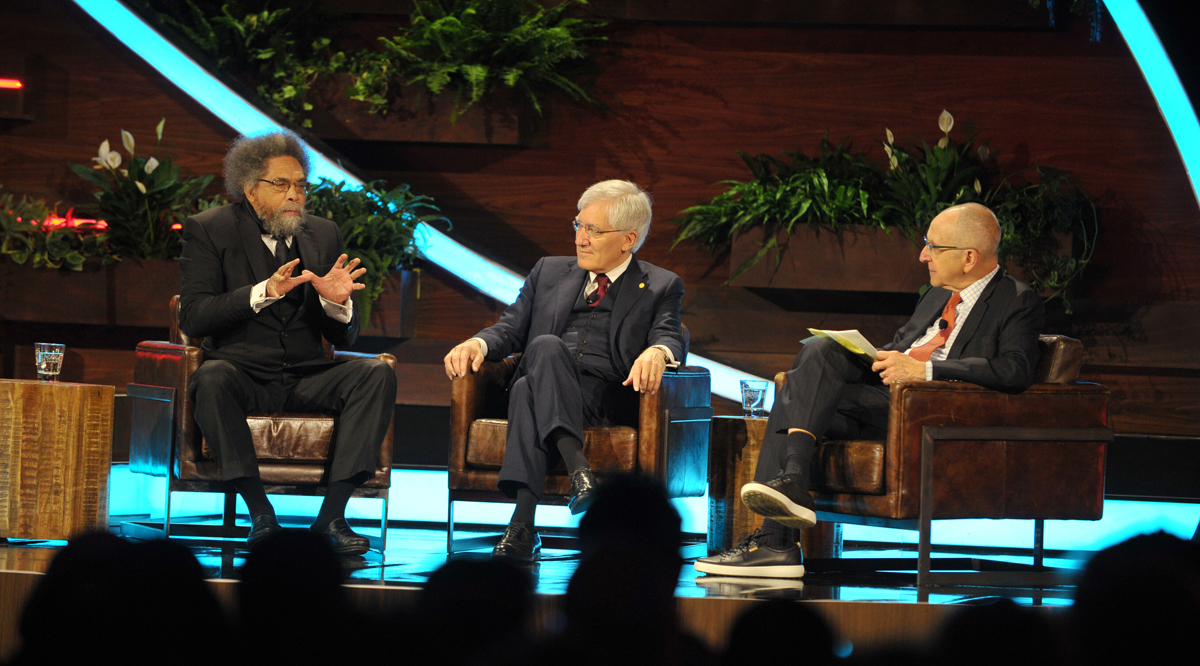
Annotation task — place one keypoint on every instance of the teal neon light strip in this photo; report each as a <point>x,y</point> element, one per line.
<point>480,272</point>
<point>1163,81</point>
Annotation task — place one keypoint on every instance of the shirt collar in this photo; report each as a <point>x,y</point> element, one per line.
<point>614,273</point>
<point>973,291</point>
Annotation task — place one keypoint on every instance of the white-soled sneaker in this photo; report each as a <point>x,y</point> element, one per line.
<point>781,499</point>
<point>751,558</point>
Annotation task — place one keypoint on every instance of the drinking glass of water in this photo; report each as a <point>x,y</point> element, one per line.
<point>754,397</point>
<point>49,358</point>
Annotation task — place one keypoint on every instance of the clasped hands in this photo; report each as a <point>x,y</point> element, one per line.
<point>645,375</point>
<point>894,366</point>
<point>335,286</point>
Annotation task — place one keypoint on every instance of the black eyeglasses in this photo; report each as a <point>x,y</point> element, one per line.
<point>591,230</point>
<point>932,247</point>
<point>281,185</point>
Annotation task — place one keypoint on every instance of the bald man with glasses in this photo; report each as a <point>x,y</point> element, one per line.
<point>975,324</point>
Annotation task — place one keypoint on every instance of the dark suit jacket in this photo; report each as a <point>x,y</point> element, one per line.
<point>223,258</point>
<point>997,346</point>
<point>646,312</point>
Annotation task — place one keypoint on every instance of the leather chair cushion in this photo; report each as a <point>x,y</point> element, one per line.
<point>608,448</point>
<point>853,466</point>
<point>288,438</point>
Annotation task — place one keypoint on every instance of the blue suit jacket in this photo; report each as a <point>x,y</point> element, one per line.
<point>646,312</point>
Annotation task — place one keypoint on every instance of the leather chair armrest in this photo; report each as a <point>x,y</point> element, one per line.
<point>468,396</point>
<point>916,404</point>
<point>673,431</point>
<point>168,365</point>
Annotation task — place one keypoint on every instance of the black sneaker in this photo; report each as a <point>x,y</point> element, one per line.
<point>751,558</point>
<point>781,499</point>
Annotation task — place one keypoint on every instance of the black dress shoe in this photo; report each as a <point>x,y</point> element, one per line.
<point>518,543</point>
<point>262,527</point>
<point>344,540</point>
<point>583,489</point>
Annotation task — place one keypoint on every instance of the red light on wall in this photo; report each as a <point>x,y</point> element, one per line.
<point>11,84</point>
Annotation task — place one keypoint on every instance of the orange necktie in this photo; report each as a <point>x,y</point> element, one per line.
<point>923,352</point>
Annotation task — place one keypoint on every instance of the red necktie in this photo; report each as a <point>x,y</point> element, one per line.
<point>923,352</point>
<point>601,290</point>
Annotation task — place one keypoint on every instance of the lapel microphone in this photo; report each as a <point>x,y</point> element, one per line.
<point>942,324</point>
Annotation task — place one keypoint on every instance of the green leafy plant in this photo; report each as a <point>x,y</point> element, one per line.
<point>825,192</point>
<point>275,50</point>
<point>377,227</point>
<point>143,205</point>
<point>1049,226</point>
<point>475,47</point>
<point>25,235</point>
<point>923,182</point>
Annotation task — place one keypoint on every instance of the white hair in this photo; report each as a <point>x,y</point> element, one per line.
<point>626,204</point>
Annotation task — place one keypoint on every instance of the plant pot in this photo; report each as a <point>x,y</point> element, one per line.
<point>858,259</point>
<point>501,119</point>
<point>394,315</point>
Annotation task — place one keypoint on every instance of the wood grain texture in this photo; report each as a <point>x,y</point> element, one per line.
<point>55,451</point>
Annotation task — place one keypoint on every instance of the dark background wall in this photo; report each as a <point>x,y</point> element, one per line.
<point>694,83</point>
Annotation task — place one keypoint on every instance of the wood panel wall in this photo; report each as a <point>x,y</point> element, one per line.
<point>685,97</point>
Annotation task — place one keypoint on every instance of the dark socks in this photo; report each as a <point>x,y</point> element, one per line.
<point>526,506</point>
<point>336,496</point>
<point>777,535</point>
<point>800,448</point>
<point>570,448</point>
<point>252,492</point>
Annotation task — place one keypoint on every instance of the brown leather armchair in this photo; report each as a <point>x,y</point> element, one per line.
<point>293,449</point>
<point>670,443</point>
<point>957,450</point>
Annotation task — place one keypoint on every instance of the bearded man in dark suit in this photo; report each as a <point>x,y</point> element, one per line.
<point>594,330</point>
<point>262,325</point>
<point>976,324</point>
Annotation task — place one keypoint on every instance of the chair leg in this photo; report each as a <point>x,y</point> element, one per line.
<point>1039,534</point>
<point>166,531</point>
<point>383,524</point>
<point>229,512</point>
<point>450,527</point>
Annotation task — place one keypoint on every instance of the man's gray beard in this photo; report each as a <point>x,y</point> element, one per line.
<point>283,226</point>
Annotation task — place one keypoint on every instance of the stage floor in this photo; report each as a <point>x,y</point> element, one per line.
<point>867,609</point>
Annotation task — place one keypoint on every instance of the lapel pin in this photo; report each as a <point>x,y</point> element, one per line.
<point>642,285</point>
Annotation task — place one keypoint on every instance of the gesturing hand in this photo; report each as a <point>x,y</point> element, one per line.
<point>464,357</point>
<point>281,281</point>
<point>337,285</point>
<point>647,371</point>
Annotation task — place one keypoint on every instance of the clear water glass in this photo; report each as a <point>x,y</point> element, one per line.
<point>48,358</point>
<point>754,398</point>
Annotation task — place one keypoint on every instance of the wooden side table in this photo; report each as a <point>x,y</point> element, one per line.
<point>55,455</point>
<point>733,448</point>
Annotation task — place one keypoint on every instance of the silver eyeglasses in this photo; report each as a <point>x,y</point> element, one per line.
<point>282,184</point>
<point>933,247</point>
<point>591,230</point>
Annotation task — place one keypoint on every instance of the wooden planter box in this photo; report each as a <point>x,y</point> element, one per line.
<point>417,117</point>
<point>859,259</point>
<point>133,292</point>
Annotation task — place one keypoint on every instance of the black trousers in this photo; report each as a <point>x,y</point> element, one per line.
<point>830,393</point>
<point>552,391</point>
<point>361,392</point>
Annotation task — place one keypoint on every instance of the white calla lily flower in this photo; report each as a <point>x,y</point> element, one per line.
<point>112,160</point>
<point>102,155</point>
<point>151,165</point>
<point>127,141</point>
<point>945,121</point>
<point>140,186</point>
